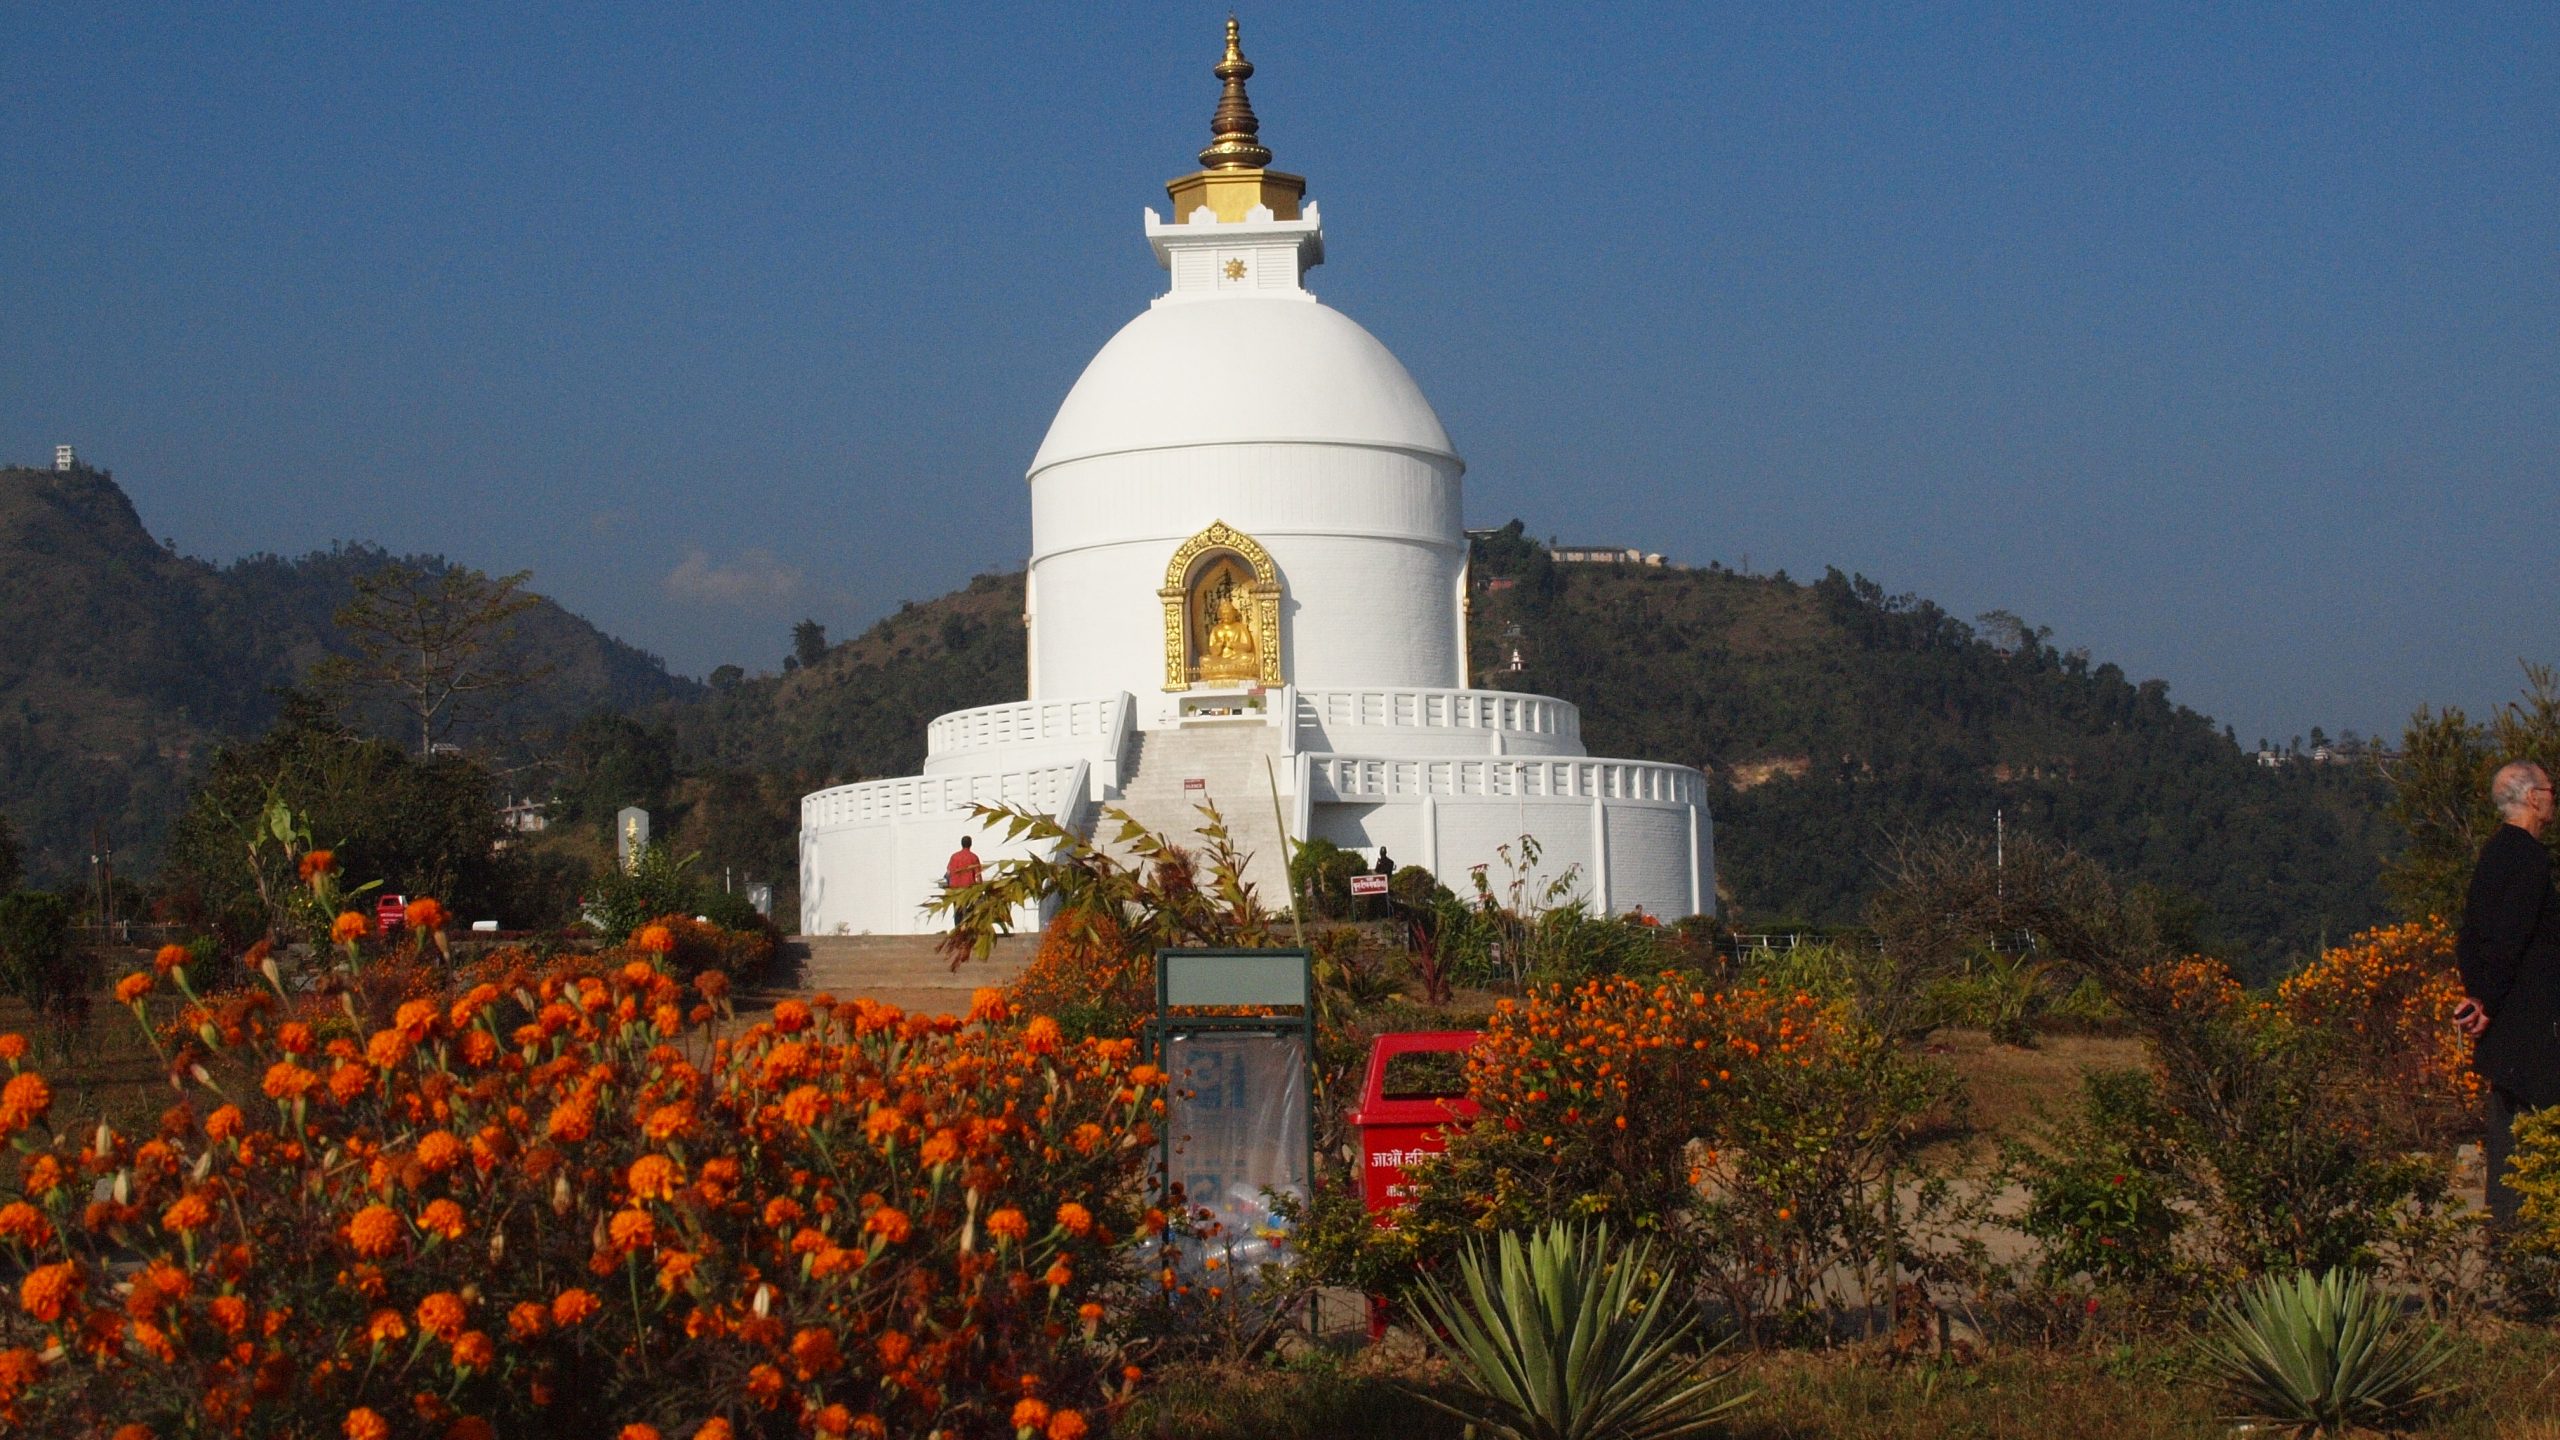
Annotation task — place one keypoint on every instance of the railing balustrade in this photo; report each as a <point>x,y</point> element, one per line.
<point>1348,777</point>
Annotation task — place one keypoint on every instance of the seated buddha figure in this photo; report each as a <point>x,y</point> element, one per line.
<point>1230,653</point>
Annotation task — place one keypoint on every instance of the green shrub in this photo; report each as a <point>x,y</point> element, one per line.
<point>2104,1193</point>
<point>2320,1355</point>
<point>655,883</point>
<point>38,963</point>
<point>1567,1337</point>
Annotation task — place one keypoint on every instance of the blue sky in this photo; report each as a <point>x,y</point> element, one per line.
<point>2225,340</point>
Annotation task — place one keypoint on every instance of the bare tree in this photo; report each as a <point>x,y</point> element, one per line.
<point>432,642</point>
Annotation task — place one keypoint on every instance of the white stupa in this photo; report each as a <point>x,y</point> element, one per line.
<point>1248,586</point>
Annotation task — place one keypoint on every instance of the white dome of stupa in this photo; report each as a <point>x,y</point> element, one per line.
<point>1239,372</point>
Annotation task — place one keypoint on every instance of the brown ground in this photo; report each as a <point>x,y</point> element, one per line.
<point>2007,1085</point>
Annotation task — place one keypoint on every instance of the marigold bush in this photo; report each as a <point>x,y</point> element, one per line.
<point>544,1204</point>
<point>2384,1003</point>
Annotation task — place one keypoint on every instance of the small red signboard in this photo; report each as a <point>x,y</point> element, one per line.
<point>1196,782</point>
<point>1368,884</point>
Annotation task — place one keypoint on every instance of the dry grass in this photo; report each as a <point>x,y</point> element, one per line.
<point>2008,1086</point>
<point>106,1068</point>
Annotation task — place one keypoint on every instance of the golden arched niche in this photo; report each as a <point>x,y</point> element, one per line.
<point>1221,611</point>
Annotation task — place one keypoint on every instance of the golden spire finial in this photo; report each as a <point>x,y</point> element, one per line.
<point>1236,144</point>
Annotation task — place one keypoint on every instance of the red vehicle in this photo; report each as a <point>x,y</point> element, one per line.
<point>390,912</point>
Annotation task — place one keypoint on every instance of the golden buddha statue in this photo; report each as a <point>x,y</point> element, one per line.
<point>1230,652</point>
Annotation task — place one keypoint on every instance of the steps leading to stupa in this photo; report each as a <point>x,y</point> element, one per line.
<point>1237,763</point>
<point>908,971</point>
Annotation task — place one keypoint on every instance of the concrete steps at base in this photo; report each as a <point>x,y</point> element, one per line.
<point>1232,760</point>
<point>907,971</point>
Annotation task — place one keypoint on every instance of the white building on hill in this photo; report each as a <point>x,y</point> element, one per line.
<point>1248,584</point>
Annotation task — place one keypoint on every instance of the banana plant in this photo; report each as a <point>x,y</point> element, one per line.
<point>1567,1337</point>
<point>2320,1355</point>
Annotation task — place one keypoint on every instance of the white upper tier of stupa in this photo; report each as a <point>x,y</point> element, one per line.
<point>1248,585</point>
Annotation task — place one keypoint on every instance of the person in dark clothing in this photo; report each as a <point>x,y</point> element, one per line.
<point>2509,952</point>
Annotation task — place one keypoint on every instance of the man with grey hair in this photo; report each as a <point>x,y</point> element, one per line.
<point>2509,951</point>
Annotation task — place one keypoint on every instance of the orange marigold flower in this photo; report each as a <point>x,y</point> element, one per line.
<point>942,1149</point>
<point>24,1224</point>
<point>654,939</point>
<point>189,1213</point>
<point>804,1105</point>
<point>889,1223</point>
<point>527,1320</point>
<point>230,1312</point>
<point>714,1428</point>
<point>894,1347</point>
<point>170,957</point>
<point>24,1100</point>
<point>653,1177</point>
<point>631,1229</point>
<point>1041,1036</point>
<point>133,987</point>
<point>1030,1415</point>
<point>1009,1224</point>
<point>668,1121</point>
<point>314,864</point>
<point>385,1327</point>
<point>439,1150</point>
<point>48,1290</point>
<point>1077,1220</point>
<point>288,1081</point>
<point>473,1350</point>
<point>573,1305</point>
<point>13,1047</point>
<point>814,1352</point>
<point>1066,1425</point>
<point>1059,1275</point>
<point>831,1420</point>
<point>19,1369</point>
<point>442,1314</point>
<point>350,927</point>
<point>441,1218</point>
<point>790,1017</point>
<point>637,1432</point>
<point>374,1231</point>
<point>363,1423</point>
<point>416,1019</point>
<point>424,914</point>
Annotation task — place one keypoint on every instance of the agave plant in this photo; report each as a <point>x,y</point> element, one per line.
<point>1560,1338</point>
<point>2320,1354</point>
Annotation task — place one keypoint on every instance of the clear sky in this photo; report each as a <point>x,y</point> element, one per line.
<point>2221,339</point>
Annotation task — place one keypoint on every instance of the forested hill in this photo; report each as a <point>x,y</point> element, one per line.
<point>1831,718</point>
<point>1834,717</point>
<point>122,662</point>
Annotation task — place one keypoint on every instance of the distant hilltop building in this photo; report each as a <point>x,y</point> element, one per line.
<point>64,459</point>
<point>1248,586</point>
<point>1605,555</point>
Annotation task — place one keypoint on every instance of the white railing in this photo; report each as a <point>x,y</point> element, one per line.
<point>1403,709</point>
<point>1102,719</point>
<point>1355,778</point>
<point>876,802</point>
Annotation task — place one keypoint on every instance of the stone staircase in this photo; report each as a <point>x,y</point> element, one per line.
<point>1231,759</point>
<point>907,971</point>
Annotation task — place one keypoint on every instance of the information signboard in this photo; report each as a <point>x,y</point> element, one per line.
<point>1369,884</point>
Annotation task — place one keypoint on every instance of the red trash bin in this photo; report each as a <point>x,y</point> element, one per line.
<point>390,912</point>
<point>1396,1128</point>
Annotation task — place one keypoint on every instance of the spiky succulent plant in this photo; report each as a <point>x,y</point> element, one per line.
<point>1568,1337</point>
<point>2320,1354</point>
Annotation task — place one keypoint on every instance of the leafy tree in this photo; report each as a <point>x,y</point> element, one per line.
<point>610,761</point>
<point>431,643</point>
<point>12,866</point>
<point>2440,790</point>
<point>808,642</point>
<point>727,678</point>
<point>421,825</point>
<point>38,963</point>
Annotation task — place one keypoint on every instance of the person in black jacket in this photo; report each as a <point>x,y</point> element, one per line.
<point>2509,951</point>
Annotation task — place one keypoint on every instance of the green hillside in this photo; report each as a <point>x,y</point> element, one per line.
<point>1831,717</point>
<point>123,663</point>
